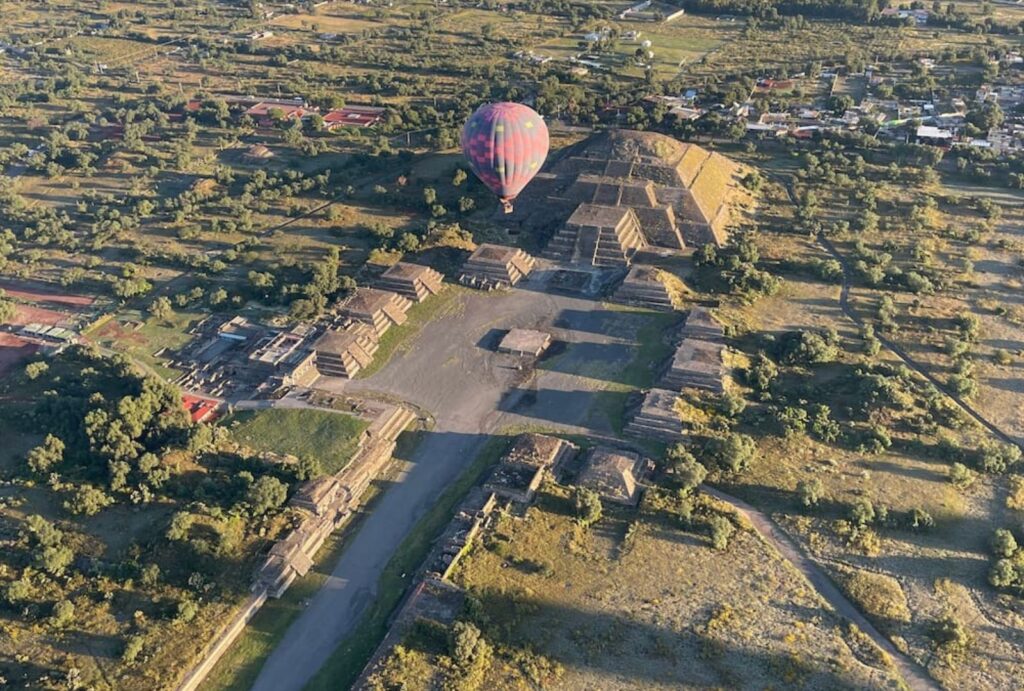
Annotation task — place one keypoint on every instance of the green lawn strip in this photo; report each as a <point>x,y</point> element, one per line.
<point>239,667</point>
<point>349,658</point>
<point>328,437</point>
<point>419,315</point>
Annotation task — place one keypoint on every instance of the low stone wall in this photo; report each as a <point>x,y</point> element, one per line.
<point>219,645</point>
<point>369,460</point>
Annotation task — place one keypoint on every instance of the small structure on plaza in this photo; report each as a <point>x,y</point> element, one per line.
<point>525,342</point>
<point>614,474</point>
<point>598,235</point>
<point>523,468</point>
<point>344,352</point>
<point>655,417</point>
<point>381,309</point>
<point>413,281</point>
<point>496,266</point>
<point>651,287</point>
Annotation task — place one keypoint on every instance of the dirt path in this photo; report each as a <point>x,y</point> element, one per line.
<point>913,674</point>
<point>844,304</point>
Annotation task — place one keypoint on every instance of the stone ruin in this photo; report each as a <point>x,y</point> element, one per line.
<point>496,266</point>
<point>651,287</point>
<point>381,309</point>
<point>411,281</point>
<point>620,191</point>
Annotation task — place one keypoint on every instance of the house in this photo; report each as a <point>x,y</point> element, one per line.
<point>920,17</point>
<point>936,136</point>
<point>353,116</point>
<point>266,114</point>
<point>199,409</point>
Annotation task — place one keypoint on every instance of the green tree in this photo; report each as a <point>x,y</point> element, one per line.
<point>44,457</point>
<point>87,500</point>
<point>734,452</point>
<point>685,468</point>
<point>266,494</point>
<point>161,308</point>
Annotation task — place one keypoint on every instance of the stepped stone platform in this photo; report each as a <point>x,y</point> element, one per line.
<point>344,352</point>
<point>496,266</point>
<point>681,195</point>
<point>381,309</point>
<point>598,235</point>
<point>651,287</point>
<point>412,281</point>
<point>655,417</point>
<point>700,324</point>
<point>614,474</point>
<point>696,363</point>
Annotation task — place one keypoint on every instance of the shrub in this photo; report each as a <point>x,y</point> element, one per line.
<point>132,648</point>
<point>588,506</point>
<point>63,613</point>
<point>1004,574</point>
<point>961,476</point>
<point>809,492</point>
<point>920,520</point>
<point>862,512</point>
<point>721,529</point>
<point>1003,543</point>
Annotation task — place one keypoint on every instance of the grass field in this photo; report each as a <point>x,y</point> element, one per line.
<point>327,437</point>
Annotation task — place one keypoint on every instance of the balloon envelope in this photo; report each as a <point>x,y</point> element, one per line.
<point>505,145</point>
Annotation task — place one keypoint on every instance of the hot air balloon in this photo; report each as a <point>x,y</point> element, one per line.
<point>505,145</point>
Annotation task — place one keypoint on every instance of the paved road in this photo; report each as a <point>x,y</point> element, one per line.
<point>465,387</point>
<point>913,674</point>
